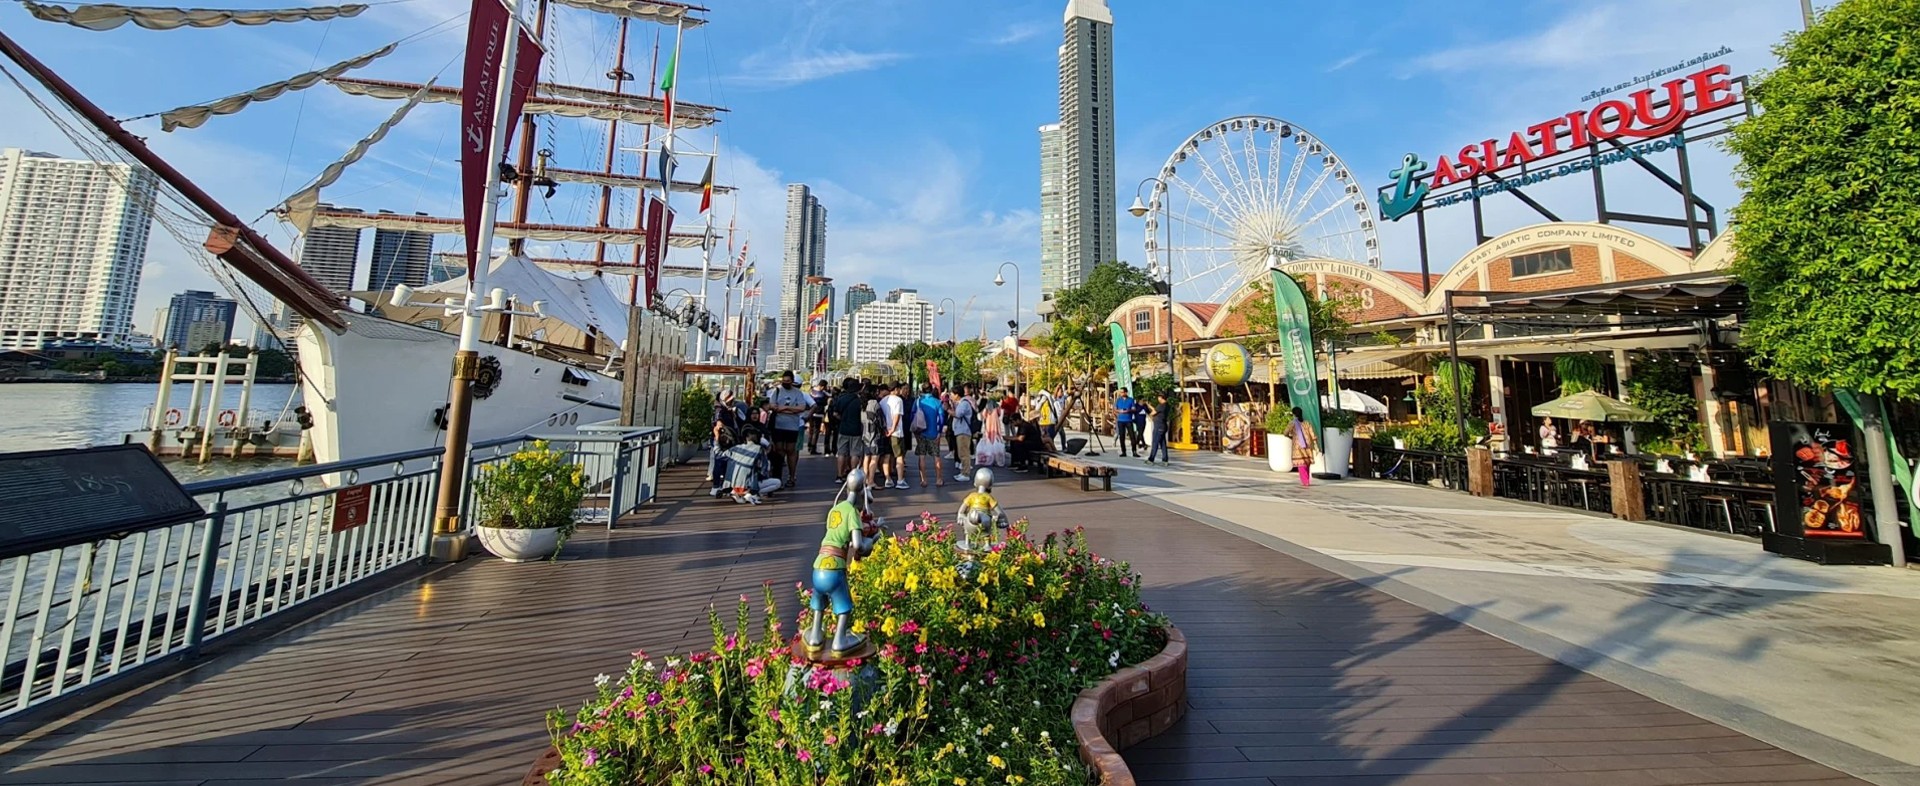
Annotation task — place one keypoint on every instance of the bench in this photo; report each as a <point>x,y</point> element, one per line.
<point>1066,466</point>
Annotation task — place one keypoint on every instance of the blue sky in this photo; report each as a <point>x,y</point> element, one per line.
<point>916,121</point>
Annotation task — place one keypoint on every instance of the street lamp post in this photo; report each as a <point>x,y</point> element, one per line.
<point>1139,210</point>
<point>998,280</point>
<point>953,322</point>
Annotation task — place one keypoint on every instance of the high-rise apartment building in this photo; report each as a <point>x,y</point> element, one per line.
<point>859,295</point>
<point>196,319</point>
<point>400,257</point>
<point>804,256</point>
<point>329,254</point>
<point>760,343</point>
<point>879,327</point>
<point>73,239</point>
<point>1086,139</point>
<point>894,296</point>
<point>1052,210</point>
<point>843,336</point>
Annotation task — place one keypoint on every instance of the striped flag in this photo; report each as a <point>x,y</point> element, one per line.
<point>706,187</point>
<point>666,145</point>
<point>818,315</point>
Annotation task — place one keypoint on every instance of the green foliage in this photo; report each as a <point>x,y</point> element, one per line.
<point>1662,384</point>
<point>696,415</point>
<point>1108,285</point>
<point>1326,312</point>
<point>535,488</point>
<point>1077,350</point>
<point>978,661</point>
<point>1279,420</point>
<point>1578,373</point>
<point>1339,419</point>
<point>1829,225</point>
<point>273,363</point>
<point>1441,429</point>
<point>1386,434</point>
<point>954,370</point>
<point>1149,387</point>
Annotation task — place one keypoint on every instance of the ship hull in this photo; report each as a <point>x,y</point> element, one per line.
<point>380,387</point>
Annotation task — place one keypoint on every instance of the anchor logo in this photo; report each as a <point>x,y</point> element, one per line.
<point>1407,194</point>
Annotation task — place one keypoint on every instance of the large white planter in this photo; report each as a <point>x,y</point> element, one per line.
<point>520,545</point>
<point>1280,452</point>
<point>1336,452</point>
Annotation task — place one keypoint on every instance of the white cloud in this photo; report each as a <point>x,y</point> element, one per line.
<point>1017,32</point>
<point>1349,60</point>
<point>776,68</point>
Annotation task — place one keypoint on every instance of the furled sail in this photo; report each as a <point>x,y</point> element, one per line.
<point>626,181</point>
<point>633,109</point>
<point>454,259</point>
<point>298,209</point>
<point>108,16</point>
<point>196,115</point>
<point>510,230</point>
<point>644,10</point>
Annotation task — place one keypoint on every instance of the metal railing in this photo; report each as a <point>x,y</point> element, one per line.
<point>1419,466</point>
<point>80,615</point>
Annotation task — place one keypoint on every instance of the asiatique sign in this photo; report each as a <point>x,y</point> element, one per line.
<point>1640,116</point>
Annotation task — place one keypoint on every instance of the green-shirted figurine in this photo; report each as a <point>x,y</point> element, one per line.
<point>851,531</point>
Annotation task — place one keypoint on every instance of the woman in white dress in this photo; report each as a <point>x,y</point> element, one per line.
<point>992,450</point>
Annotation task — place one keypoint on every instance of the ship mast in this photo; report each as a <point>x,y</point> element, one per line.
<point>523,168</point>
<point>619,76</point>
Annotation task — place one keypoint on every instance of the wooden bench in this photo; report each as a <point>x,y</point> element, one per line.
<point>1058,465</point>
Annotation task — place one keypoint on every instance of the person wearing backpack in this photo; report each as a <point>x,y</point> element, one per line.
<point>929,420</point>
<point>873,432</point>
<point>966,419</point>
<point>728,418</point>
<point>844,412</point>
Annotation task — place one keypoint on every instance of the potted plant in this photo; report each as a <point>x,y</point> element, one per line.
<point>525,505</point>
<point>1336,441</point>
<point>696,420</point>
<point>1279,427</point>
<point>1392,431</point>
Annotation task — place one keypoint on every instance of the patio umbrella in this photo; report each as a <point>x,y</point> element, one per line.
<point>1355,401</point>
<point>1591,405</point>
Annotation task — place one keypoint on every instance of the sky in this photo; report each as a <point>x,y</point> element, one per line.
<point>914,122</point>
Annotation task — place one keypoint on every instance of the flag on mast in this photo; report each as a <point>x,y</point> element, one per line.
<point>666,88</point>
<point>818,315</point>
<point>706,189</point>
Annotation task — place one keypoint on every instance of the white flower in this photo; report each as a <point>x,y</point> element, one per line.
<point>863,714</point>
<point>601,681</point>
<point>826,704</point>
<point>893,726</point>
<point>650,667</point>
<point>1044,736</point>
<point>1114,659</point>
<point>1003,743</point>
<point>673,663</point>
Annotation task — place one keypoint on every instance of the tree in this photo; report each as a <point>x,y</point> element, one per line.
<point>958,363</point>
<point>1108,285</point>
<point>273,363</point>
<point>1326,311</point>
<point>1829,225</point>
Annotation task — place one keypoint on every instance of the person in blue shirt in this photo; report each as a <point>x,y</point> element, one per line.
<point>1123,413</point>
<point>929,422</point>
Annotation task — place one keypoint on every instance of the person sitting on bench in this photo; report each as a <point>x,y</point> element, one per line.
<point>1025,442</point>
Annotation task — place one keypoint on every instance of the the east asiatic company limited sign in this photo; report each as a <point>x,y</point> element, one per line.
<point>1656,113</point>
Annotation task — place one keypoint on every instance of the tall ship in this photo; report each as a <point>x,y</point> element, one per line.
<point>579,323</point>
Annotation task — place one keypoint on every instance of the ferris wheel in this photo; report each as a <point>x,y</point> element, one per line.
<point>1244,190</point>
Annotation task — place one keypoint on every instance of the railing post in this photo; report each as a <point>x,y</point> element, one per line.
<point>619,473</point>
<point>1623,482</point>
<point>203,575</point>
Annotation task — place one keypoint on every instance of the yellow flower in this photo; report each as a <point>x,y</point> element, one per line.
<point>1016,779</point>
<point>1029,579</point>
<point>913,582</point>
<point>959,782</point>
<point>1039,619</point>
<point>859,626</point>
<point>890,626</point>
<point>997,762</point>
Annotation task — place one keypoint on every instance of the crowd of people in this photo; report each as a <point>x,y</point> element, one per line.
<point>884,428</point>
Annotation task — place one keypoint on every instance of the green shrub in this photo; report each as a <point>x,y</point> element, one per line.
<point>1339,419</point>
<point>696,415</point>
<point>1279,420</point>
<point>535,488</point>
<point>977,667</point>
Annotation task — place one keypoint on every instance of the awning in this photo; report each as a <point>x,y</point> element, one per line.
<point>1682,299</point>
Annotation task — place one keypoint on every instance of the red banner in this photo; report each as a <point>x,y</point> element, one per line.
<point>486,45</point>
<point>659,230</point>
<point>933,373</point>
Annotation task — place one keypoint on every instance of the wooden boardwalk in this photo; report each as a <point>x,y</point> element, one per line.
<point>1298,676</point>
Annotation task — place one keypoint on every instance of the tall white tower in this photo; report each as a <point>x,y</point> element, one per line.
<point>73,240</point>
<point>1086,138</point>
<point>1052,210</point>
<point>803,256</point>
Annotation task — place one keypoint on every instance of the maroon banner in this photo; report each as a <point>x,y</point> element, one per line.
<point>659,230</point>
<point>486,45</point>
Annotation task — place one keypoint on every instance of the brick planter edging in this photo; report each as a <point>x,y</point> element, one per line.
<point>1131,705</point>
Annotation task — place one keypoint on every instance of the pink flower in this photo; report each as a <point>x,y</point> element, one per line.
<point>831,740</point>
<point>804,755</point>
<point>920,649</point>
<point>877,729</point>
<point>755,667</point>
<point>592,758</point>
<point>639,654</point>
<point>743,599</point>
<point>707,769</point>
<point>910,628</point>
<point>773,714</point>
<point>732,641</point>
<point>654,699</point>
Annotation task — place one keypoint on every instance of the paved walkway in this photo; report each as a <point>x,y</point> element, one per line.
<point>1298,674</point>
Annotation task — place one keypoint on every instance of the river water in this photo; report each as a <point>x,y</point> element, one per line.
<point>44,416</point>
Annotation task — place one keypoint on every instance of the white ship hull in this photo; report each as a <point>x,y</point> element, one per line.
<point>375,389</point>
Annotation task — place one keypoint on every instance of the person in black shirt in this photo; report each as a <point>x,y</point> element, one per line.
<point>1024,442</point>
<point>844,413</point>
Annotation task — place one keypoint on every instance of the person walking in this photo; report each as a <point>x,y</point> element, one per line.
<point>817,418</point>
<point>873,433</point>
<point>930,421</point>
<point>844,412</point>
<point>1303,447</point>
<point>790,406</point>
<point>1123,412</point>
<point>894,406</point>
<point>965,416</point>
<point>1160,414</point>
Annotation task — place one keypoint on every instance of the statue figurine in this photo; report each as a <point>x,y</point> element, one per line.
<point>980,515</point>
<point>851,532</point>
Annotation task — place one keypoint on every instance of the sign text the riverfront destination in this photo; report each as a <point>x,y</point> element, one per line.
<point>1649,114</point>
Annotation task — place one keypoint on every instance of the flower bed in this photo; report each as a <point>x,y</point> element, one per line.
<point>977,669</point>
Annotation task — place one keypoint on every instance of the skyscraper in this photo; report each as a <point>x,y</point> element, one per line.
<point>196,319</point>
<point>859,295</point>
<point>400,257</point>
<point>73,238</point>
<point>329,255</point>
<point>878,328</point>
<point>1052,209</point>
<point>804,255</point>
<point>1086,138</point>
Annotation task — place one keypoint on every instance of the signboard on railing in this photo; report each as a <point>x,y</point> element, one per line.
<point>351,506</point>
<point>55,498</point>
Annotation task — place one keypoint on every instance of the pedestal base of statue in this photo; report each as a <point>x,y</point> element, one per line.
<point>829,659</point>
<point>860,681</point>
